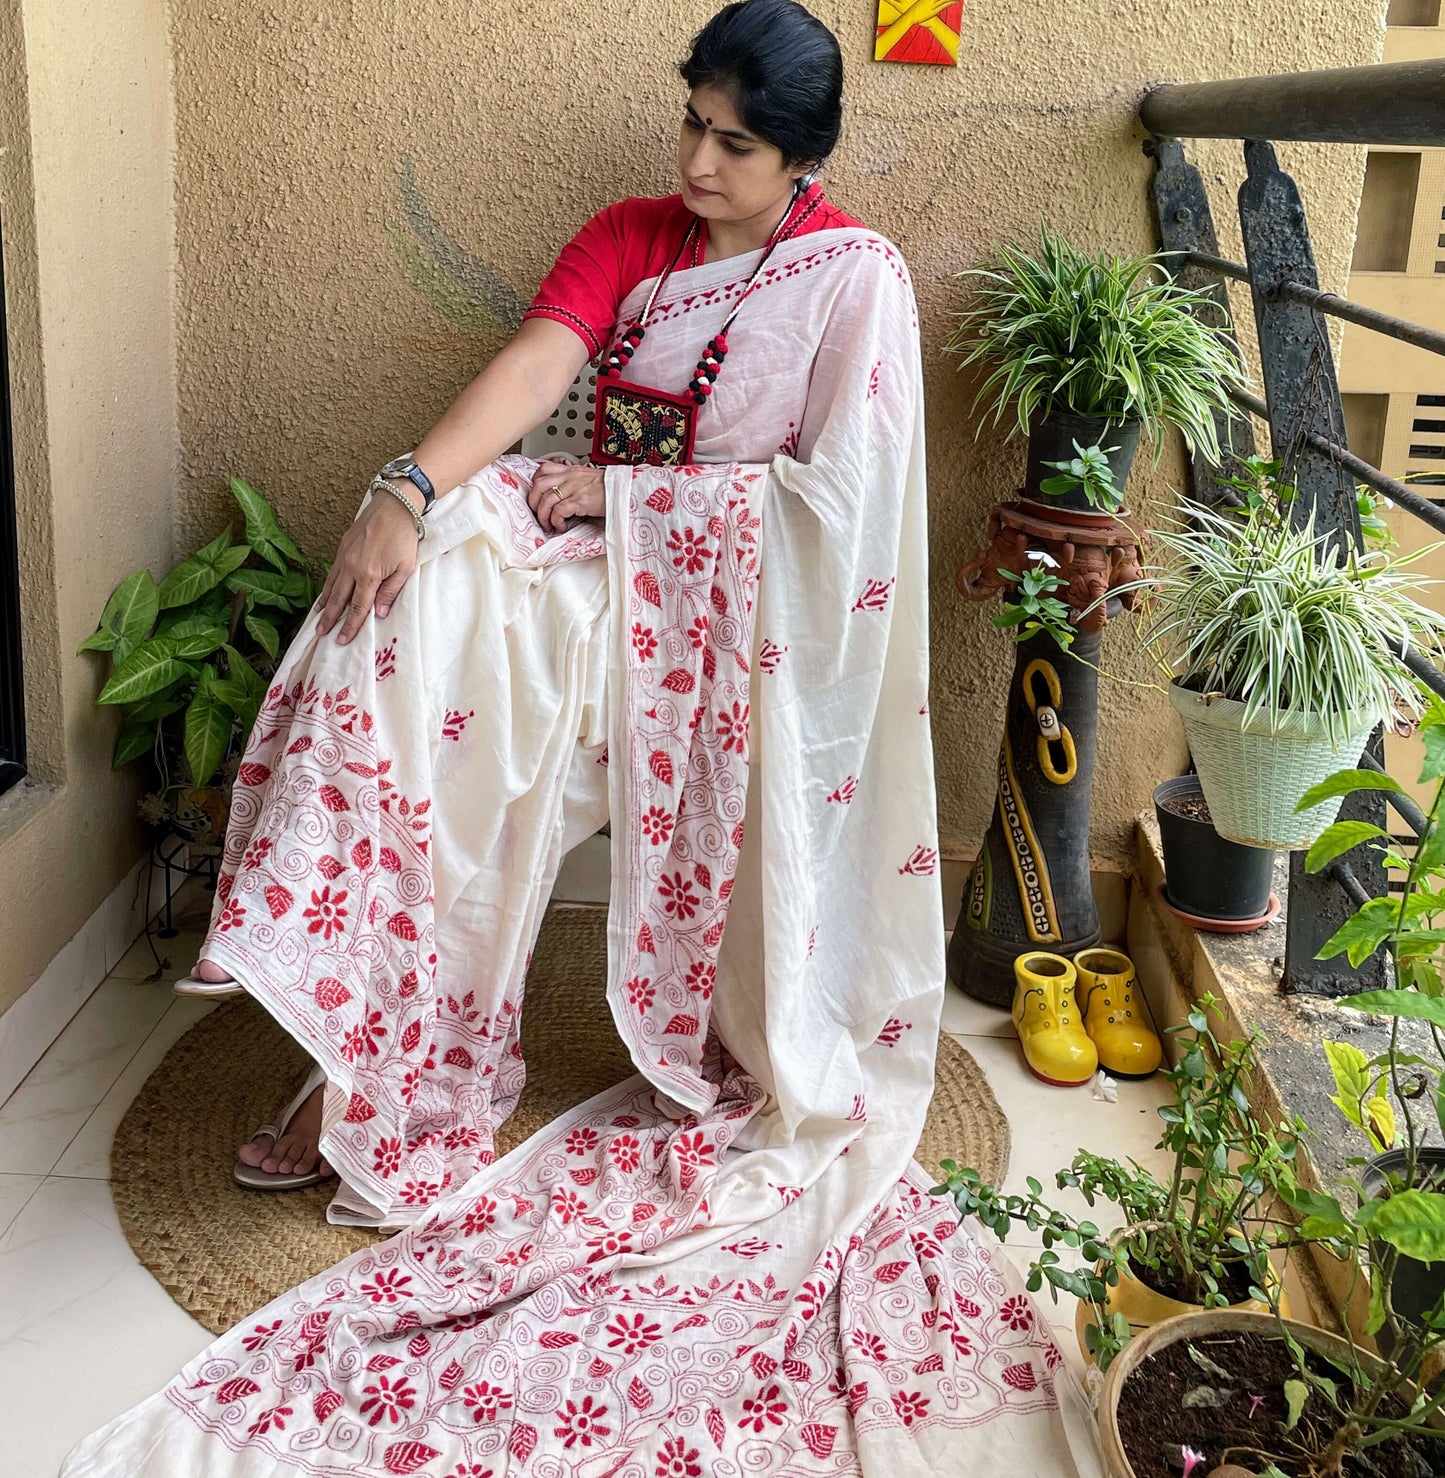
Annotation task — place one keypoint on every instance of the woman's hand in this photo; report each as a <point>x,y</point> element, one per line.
<point>373,561</point>
<point>561,491</point>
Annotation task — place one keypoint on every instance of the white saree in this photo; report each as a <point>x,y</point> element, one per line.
<point>726,1265</point>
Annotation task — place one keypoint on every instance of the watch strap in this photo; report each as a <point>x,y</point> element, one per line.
<point>406,467</point>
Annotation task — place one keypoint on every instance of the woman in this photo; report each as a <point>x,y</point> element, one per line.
<point>725,1264</point>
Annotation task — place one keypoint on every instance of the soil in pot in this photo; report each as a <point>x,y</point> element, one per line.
<point>1154,1423</point>
<point>1205,875</point>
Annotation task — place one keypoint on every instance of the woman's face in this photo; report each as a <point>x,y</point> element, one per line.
<point>728,173</point>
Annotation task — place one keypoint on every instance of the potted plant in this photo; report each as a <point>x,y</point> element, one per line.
<point>1404,1169</point>
<point>190,656</point>
<point>1089,352</point>
<point>1284,652</point>
<point>1199,1238</point>
<point>1209,880</point>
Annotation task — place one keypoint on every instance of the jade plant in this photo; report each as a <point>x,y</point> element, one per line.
<point>1202,1234</point>
<point>190,656</point>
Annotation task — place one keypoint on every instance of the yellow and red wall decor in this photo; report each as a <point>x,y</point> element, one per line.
<point>923,31</point>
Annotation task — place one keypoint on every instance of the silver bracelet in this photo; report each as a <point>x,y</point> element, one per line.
<point>380,485</point>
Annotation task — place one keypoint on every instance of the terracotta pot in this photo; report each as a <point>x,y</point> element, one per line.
<point>1144,1309</point>
<point>1200,1326</point>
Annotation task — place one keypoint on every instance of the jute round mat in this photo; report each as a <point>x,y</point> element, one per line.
<point>222,1252</point>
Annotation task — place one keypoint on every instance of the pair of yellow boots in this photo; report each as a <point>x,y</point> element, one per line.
<point>1076,1016</point>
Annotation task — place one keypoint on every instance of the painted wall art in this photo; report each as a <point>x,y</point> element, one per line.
<point>920,31</point>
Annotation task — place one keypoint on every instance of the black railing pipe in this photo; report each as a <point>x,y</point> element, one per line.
<point>1399,103</point>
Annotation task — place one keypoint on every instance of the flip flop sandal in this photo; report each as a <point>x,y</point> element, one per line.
<point>210,990</point>
<point>253,1178</point>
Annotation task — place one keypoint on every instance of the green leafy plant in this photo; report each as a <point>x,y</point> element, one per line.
<point>1032,605</point>
<point>1106,336</point>
<point>1090,471</point>
<point>190,656</point>
<point>1202,1235</point>
<point>1258,608</point>
<point>1375,1229</point>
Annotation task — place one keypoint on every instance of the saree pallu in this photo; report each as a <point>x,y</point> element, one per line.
<point>726,1265</point>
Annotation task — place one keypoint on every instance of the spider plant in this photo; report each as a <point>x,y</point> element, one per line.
<point>1253,608</point>
<point>1106,336</point>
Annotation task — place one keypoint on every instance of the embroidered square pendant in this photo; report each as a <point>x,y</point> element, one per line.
<point>636,426</point>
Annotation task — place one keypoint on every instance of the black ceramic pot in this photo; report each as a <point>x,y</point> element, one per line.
<point>1052,438</point>
<point>1205,875</point>
<point>1417,1286</point>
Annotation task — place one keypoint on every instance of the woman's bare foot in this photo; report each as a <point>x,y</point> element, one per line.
<point>297,1151</point>
<point>211,974</point>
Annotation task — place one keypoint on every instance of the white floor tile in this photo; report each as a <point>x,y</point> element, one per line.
<point>44,1113</point>
<point>15,1191</point>
<point>1048,1126</point>
<point>177,955</point>
<point>88,1154</point>
<point>963,1016</point>
<point>74,1299</point>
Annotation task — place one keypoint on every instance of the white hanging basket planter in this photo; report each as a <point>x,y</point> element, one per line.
<point>1254,774</point>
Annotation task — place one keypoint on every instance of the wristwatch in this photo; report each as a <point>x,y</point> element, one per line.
<point>406,467</point>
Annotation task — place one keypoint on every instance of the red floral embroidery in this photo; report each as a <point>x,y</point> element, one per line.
<point>644,643</point>
<point>387,1402</point>
<point>581,1422</point>
<point>326,913</point>
<point>486,1401</point>
<point>690,552</point>
<point>678,898</point>
<point>765,1409</point>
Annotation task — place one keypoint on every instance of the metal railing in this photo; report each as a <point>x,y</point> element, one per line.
<point>1401,104</point>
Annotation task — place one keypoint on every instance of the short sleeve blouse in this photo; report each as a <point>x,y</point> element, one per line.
<point>628,243</point>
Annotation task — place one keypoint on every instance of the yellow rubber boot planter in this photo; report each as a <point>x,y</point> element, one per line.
<point>1115,1015</point>
<point>1050,1026</point>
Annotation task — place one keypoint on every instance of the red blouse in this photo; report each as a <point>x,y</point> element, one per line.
<point>626,244</point>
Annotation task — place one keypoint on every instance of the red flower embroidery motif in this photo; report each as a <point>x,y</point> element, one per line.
<point>326,913</point>
<point>697,633</point>
<point>892,1032</point>
<point>387,1286</point>
<point>644,643</point>
<point>767,1407</point>
<point>273,1416</point>
<point>657,825</point>
<point>256,853</point>
<point>409,1085</point>
<point>626,1152</point>
<point>487,1402</point>
<point>870,1345</point>
<point>386,660</point>
<point>677,1460</point>
<point>770,655</point>
<point>873,380</point>
<point>581,1422</point>
<point>632,1333</point>
<point>362,1039</point>
<point>420,1192</point>
<point>568,1205</point>
<point>689,550</point>
<point>1016,1312</point>
<point>462,1138</point>
<point>455,722</point>
<point>582,1141</point>
<point>812,940</point>
<point>514,1257</point>
<point>910,1406</point>
<point>232,914</point>
<point>846,791</point>
<point>678,898</point>
<point>640,992</point>
<point>480,1217</point>
<point>875,596</point>
<point>388,1157</point>
<point>700,979</point>
<point>611,1245</point>
<point>921,862</point>
<point>693,1152</point>
<point>261,1336</point>
<point>732,727</point>
<point>385,1401</point>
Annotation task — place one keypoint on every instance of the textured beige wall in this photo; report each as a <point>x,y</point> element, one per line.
<point>307,354</point>
<point>85,195</point>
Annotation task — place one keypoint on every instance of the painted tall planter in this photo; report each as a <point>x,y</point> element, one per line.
<point>1255,773</point>
<point>1030,888</point>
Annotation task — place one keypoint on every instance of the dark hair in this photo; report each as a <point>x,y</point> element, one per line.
<point>784,69</point>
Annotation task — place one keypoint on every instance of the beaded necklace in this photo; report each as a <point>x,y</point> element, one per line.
<point>636,424</point>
